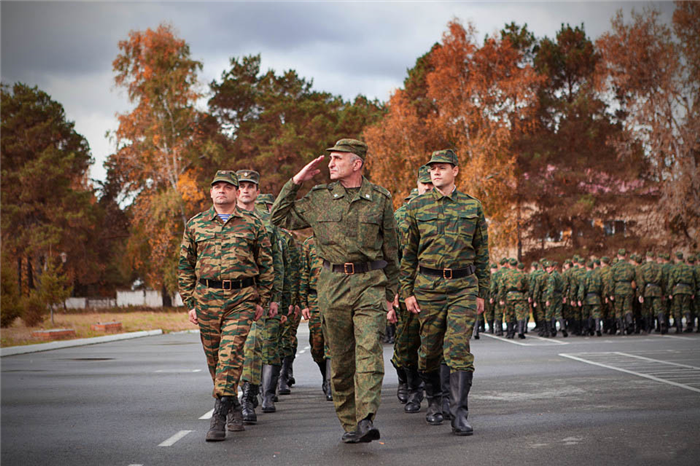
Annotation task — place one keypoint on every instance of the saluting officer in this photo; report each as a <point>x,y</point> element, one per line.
<point>445,279</point>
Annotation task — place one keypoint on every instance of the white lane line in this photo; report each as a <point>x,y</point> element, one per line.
<point>208,415</point>
<point>651,377</point>
<point>302,352</point>
<point>507,340</point>
<point>178,371</point>
<point>172,440</point>
<point>657,360</point>
<point>674,337</point>
<point>135,465</point>
<point>550,340</point>
<point>519,343</point>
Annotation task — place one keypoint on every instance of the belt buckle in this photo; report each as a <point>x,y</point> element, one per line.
<point>230,284</point>
<point>352,268</point>
<point>444,274</point>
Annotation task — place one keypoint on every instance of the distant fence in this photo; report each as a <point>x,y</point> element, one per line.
<point>147,298</point>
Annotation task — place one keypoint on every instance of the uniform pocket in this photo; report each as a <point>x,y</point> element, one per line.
<point>466,225</point>
<point>206,244</point>
<point>370,224</point>
<point>427,224</point>
<point>327,229</point>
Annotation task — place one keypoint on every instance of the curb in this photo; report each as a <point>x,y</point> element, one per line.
<point>54,345</point>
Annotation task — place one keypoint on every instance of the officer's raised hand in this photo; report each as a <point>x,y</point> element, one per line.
<point>309,171</point>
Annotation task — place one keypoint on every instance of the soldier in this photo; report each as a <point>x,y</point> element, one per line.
<point>666,302</point>
<point>255,346</point>
<point>407,343</point>
<point>514,297</point>
<point>637,304</point>
<point>225,278</point>
<point>575,282</point>
<point>649,290</point>
<point>494,290</point>
<point>489,313</point>
<point>554,295</point>
<point>445,279</point>
<point>567,310</point>
<point>537,278</point>
<point>682,286</point>
<point>311,265</point>
<point>589,297</point>
<point>290,302</point>
<point>623,292</point>
<point>508,310</point>
<point>353,222</point>
<point>694,262</point>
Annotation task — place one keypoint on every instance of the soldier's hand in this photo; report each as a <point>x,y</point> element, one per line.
<point>546,303</point>
<point>297,310</point>
<point>391,315</point>
<point>606,300</point>
<point>274,309</point>
<point>192,316</point>
<point>479,306</point>
<point>579,304</point>
<point>309,171</point>
<point>396,300</point>
<point>258,312</point>
<point>491,300</point>
<point>412,305</point>
<point>502,303</point>
<point>283,318</point>
<point>641,299</point>
<point>534,304</point>
<point>305,313</point>
<point>563,300</point>
<point>612,298</point>
<point>291,309</point>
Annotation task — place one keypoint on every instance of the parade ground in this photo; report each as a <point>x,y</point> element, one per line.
<point>632,400</point>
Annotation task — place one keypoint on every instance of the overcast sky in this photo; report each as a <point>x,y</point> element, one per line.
<point>347,48</point>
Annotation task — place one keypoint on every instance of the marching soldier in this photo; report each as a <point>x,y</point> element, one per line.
<point>514,297</point>
<point>589,297</point>
<point>623,292</point>
<point>554,295</point>
<point>225,278</point>
<point>682,286</point>
<point>494,291</point>
<point>649,289</point>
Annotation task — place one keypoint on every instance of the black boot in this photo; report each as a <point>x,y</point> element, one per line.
<point>553,327</point>
<point>521,329</point>
<point>679,325</point>
<point>445,389</point>
<point>415,391</point>
<point>290,372</point>
<point>629,324</point>
<point>217,426</point>
<point>322,369</point>
<point>434,396</point>
<point>499,329</point>
<point>329,392</point>
<point>366,432</point>
<point>460,384</point>
<point>270,376</point>
<point>491,329</point>
<point>688,323</point>
<point>562,327</point>
<point>509,330</point>
<point>597,328</point>
<point>284,377</point>
<point>234,418</point>
<point>402,391</point>
<point>249,402</point>
<point>662,324</point>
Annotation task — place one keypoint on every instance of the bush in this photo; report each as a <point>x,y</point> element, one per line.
<point>35,309</point>
<point>10,303</point>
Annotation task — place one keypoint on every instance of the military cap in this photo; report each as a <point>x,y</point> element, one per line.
<point>542,260</point>
<point>227,176</point>
<point>248,175</point>
<point>352,146</point>
<point>605,259</point>
<point>265,199</point>
<point>424,174</point>
<point>651,254</point>
<point>443,156</point>
<point>590,264</point>
<point>536,265</point>
<point>503,261</point>
<point>494,266</point>
<point>512,261</point>
<point>622,252</point>
<point>553,264</point>
<point>634,257</point>
<point>567,261</point>
<point>597,261</point>
<point>664,255</point>
<point>679,254</point>
<point>521,266</point>
<point>545,263</point>
<point>691,259</point>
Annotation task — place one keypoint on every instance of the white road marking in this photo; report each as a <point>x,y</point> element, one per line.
<point>646,376</point>
<point>302,352</point>
<point>178,371</point>
<point>656,360</point>
<point>208,415</point>
<point>674,336</point>
<point>172,440</point>
<point>548,341</point>
<point>135,465</point>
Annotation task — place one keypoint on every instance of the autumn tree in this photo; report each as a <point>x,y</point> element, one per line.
<point>158,144</point>
<point>650,71</point>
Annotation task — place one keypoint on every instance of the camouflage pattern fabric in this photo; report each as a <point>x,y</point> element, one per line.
<point>537,281</point>
<point>514,293</point>
<point>650,286</point>
<point>288,337</point>
<point>214,250</point>
<point>682,286</point>
<point>252,354</point>
<point>553,292</point>
<point>494,290</point>
<point>622,276</point>
<point>589,294</point>
<point>606,278</point>
<point>445,232</point>
<point>311,266</point>
<point>355,225</point>
<point>666,267</point>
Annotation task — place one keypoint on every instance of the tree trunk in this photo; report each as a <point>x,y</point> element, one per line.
<point>167,300</point>
<point>19,274</point>
<point>30,275</point>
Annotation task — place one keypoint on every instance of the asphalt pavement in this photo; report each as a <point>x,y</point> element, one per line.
<point>632,400</point>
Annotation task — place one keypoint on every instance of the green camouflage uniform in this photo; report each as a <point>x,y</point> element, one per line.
<point>311,265</point>
<point>514,294</point>
<point>494,290</point>
<point>589,293</point>
<point>537,279</point>
<point>290,297</point>
<point>445,232</point>
<point>649,286</point>
<point>695,264</point>
<point>666,268</point>
<point>351,226</point>
<point>554,293</point>
<point>490,311</point>
<point>623,276</point>
<point>606,277</point>
<point>214,250</point>
<point>682,286</point>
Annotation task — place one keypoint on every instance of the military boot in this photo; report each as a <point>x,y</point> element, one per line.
<point>248,403</point>
<point>521,329</point>
<point>597,328</point>
<point>322,369</point>
<point>460,385</point>
<point>434,396</point>
<point>510,332</point>
<point>499,329</point>
<point>491,329</point>
<point>270,376</point>
<point>329,392</point>
<point>679,325</point>
<point>415,391</point>
<point>629,324</point>
<point>402,391</point>
<point>562,327</point>
<point>217,426</point>
<point>688,323</point>
<point>290,373</point>
<point>547,329</point>
<point>234,418</point>
<point>553,327</point>
<point>283,388</point>
<point>662,323</point>
<point>445,388</point>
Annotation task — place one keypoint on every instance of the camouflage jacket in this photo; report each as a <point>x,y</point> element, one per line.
<point>292,270</point>
<point>606,277</point>
<point>554,287</point>
<point>649,280</point>
<point>576,278</point>
<point>591,288</point>
<point>682,280</point>
<point>494,285</point>
<point>622,276</point>
<point>349,226</point>
<point>310,269</point>
<point>666,268</point>
<point>446,232</point>
<point>214,250</point>
<point>515,286</point>
<point>278,251</point>
<point>537,279</point>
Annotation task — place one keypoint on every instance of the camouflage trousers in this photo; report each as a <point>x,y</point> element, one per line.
<point>225,318</point>
<point>288,337</point>
<point>652,307</point>
<point>623,305</point>
<point>681,305</point>
<point>489,311</point>
<point>516,310</point>
<point>593,310</point>
<point>252,363</point>
<point>554,309</point>
<point>447,318</point>
<point>407,340</point>
<point>317,340</point>
<point>540,311</point>
<point>353,308</point>
<point>497,313</point>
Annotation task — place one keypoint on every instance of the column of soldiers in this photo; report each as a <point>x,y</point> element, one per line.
<point>624,296</point>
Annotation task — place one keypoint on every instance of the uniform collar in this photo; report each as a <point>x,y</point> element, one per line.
<point>438,195</point>
<point>365,192</point>
<point>213,216</point>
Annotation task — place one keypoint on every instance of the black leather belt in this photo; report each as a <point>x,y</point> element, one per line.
<point>448,274</point>
<point>591,294</point>
<point>228,284</point>
<point>351,268</point>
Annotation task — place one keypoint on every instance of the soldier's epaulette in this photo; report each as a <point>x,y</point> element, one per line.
<point>197,217</point>
<point>471,197</point>
<point>382,190</point>
<point>321,186</point>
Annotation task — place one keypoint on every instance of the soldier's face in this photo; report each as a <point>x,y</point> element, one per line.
<point>248,192</point>
<point>424,187</point>
<point>223,194</point>
<point>343,165</point>
<point>443,174</point>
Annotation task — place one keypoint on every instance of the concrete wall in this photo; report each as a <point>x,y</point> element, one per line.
<point>92,303</point>
<point>149,298</point>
